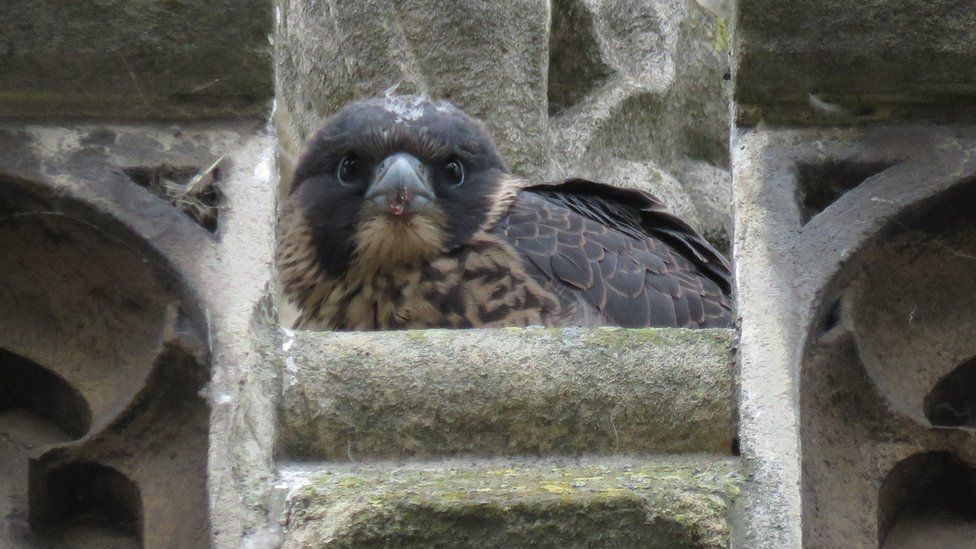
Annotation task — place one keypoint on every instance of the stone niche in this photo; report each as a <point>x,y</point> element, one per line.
<point>103,436</point>
<point>630,92</point>
<point>888,398</point>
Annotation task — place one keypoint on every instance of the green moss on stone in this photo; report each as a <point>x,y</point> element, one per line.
<point>677,502</point>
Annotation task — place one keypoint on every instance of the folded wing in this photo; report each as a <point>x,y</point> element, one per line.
<point>617,257</point>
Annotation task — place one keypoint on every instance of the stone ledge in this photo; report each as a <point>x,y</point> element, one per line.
<point>136,59</point>
<point>669,503</point>
<point>834,62</point>
<point>506,392</point>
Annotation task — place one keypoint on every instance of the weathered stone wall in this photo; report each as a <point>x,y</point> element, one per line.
<point>145,318</point>
<point>148,396</point>
<point>185,59</point>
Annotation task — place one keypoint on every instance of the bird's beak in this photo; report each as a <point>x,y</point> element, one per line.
<point>400,185</point>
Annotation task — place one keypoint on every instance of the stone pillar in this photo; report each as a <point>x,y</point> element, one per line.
<point>853,185</point>
<point>136,236</point>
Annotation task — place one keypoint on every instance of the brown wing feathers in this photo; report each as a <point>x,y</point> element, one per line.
<point>617,257</point>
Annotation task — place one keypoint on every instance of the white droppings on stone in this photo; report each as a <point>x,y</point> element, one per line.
<point>294,481</point>
<point>292,371</point>
<point>824,106</point>
<point>262,171</point>
<point>225,399</point>
<point>289,339</point>
<point>261,540</point>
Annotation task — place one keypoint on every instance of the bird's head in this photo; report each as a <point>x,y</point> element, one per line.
<point>392,180</point>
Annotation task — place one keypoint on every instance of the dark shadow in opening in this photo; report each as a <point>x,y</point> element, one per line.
<point>85,494</point>
<point>822,184</point>
<point>925,485</point>
<point>952,402</point>
<point>575,63</point>
<point>832,319</point>
<point>26,385</point>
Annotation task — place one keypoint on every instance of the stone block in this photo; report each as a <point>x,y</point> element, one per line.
<point>506,392</point>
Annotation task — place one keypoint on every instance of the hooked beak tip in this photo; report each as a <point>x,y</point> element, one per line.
<point>400,185</point>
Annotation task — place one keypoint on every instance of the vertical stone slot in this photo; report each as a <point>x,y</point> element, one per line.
<point>85,501</point>
<point>822,184</point>
<point>831,319</point>
<point>576,64</point>
<point>952,401</point>
<point>27,388</point>
<point>930,498</point>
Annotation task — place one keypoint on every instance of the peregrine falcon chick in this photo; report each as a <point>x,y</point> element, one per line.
<point>403,214</point>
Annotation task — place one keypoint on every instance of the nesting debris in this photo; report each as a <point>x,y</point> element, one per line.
<point>196,192</point>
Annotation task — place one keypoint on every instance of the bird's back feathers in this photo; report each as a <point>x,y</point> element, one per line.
<point>616,256</point>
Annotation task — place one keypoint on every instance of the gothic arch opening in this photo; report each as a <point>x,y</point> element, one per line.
<point>99,339</point>
<point>87,501</point>
<point>31,393</point>
<point>913,304</point>
<point>894,378</point>
<point>952,401</point>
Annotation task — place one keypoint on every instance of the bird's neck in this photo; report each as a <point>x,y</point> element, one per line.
<point>501,201</point>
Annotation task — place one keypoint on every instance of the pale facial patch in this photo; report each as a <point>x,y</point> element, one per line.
<point>384,242</point>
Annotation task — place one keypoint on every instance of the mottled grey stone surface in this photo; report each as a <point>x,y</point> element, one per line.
<point>828,404</point>
<point>183,441</point>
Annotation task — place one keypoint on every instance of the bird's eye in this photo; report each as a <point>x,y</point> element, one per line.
<point>347,170</point>
<point>455,171</point>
